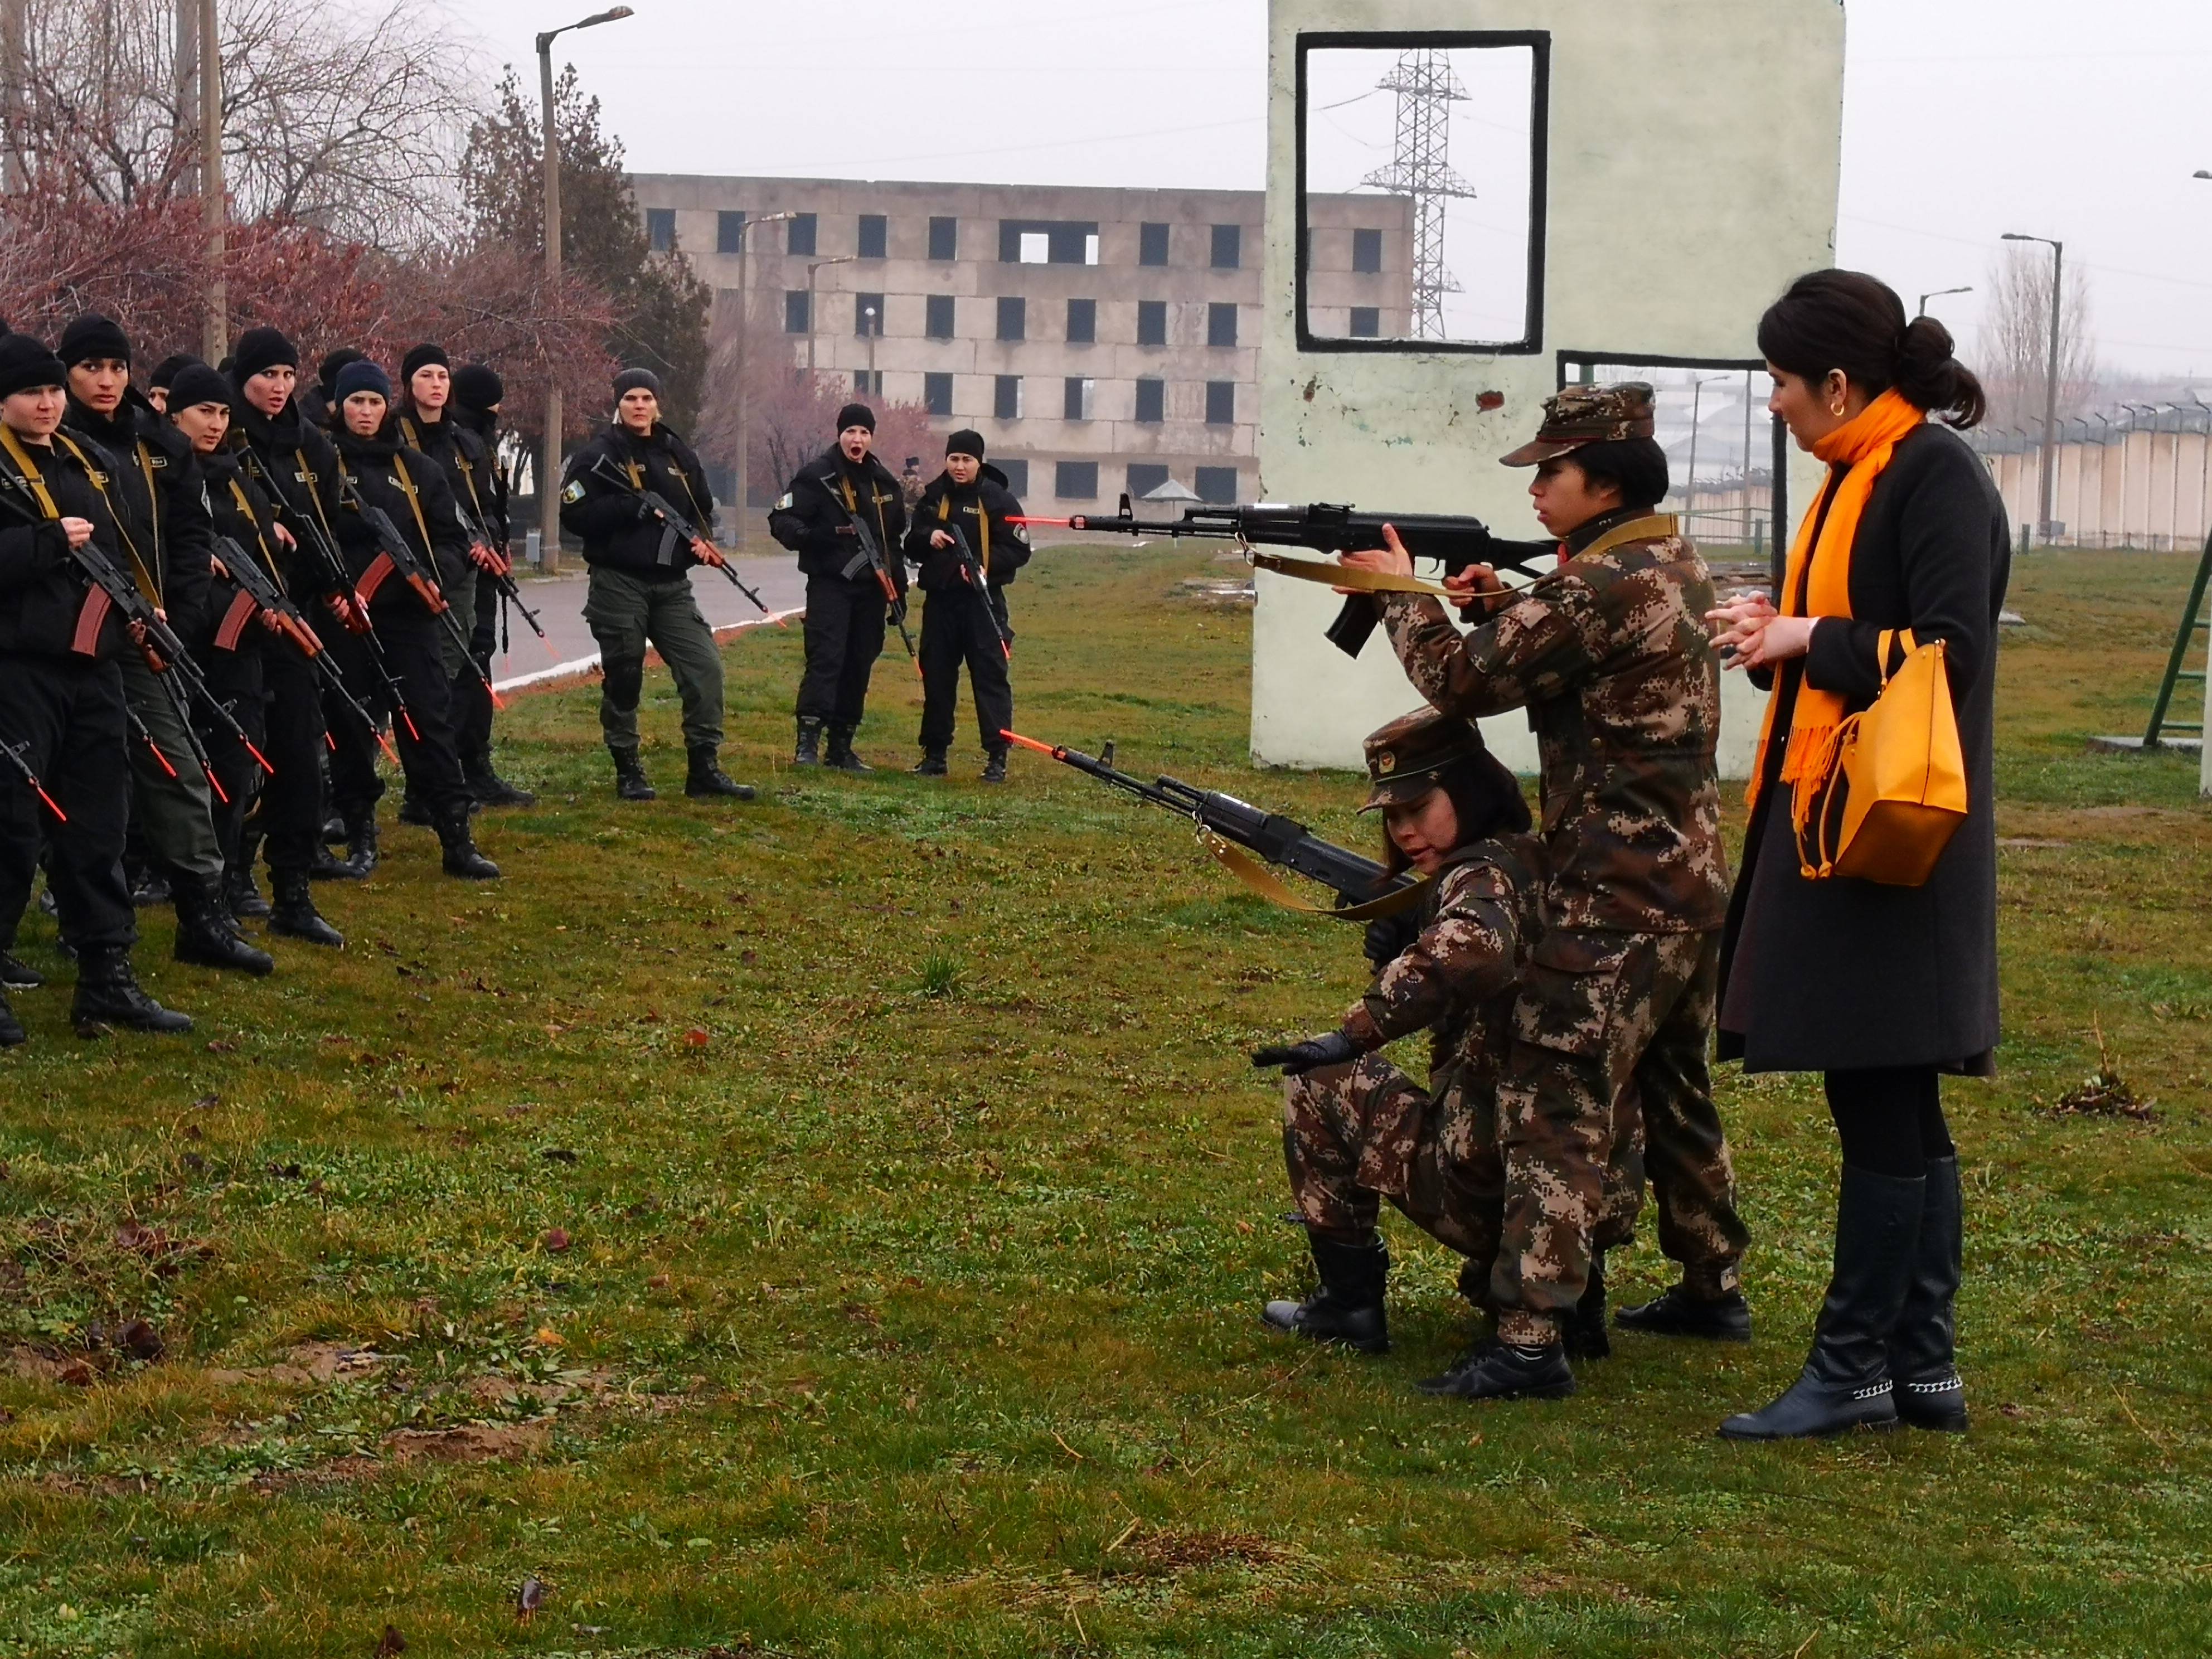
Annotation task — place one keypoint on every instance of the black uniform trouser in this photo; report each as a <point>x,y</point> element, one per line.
<point>275,696</point>
<point>471,696</point>
<point>422,732</point>
<point>956,629</point>
<point>67,714</point>
<point>844,637</point>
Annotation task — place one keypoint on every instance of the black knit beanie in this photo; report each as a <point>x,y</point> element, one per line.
<point>260,349</point>
<point>479,388</point>
<point>195,383</point>
<point>966,441</point>
<point>636,380</point>
<point>166,372</point>
<point>25,364</point>
<point>92,336</point>
<point>326,372</point>
<point>422,357</point>
<point>360,375</point>
<point>854,415</point>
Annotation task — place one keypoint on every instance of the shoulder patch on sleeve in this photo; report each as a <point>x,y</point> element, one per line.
<point>783,504</point>
<point>575,492</point>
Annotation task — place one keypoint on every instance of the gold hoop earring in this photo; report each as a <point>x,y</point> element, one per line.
<point>1836,409</point>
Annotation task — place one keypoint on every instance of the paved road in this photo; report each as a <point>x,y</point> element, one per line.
<point>559,603</point>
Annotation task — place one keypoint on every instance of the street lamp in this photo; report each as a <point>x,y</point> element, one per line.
<point>874,327</point>
<point>1938,294</point>
<point>2050,377</point>
<point>812,267</point>
<point>1690,488</point>
<point>744,321</point>
<point>549,482</point>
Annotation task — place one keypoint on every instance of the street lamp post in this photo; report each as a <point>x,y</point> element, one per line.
<point>2050,377</point>
<point>1938,294</point>
<point>1690,485</point>
<point>813,267</point>
<point>873,324</point>
<point>549,476</point>
<point>744,321</point>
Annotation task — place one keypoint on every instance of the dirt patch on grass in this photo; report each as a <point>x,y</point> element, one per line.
<point>308,1364</point>
<point>471,1443</point>
<point>1191,1552</point>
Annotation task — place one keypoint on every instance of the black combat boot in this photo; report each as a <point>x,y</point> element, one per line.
<point>360,845</point>
<point>1845,1383</point>
<point>462,858</point>
<point>492,790</point>
<point>706,778</point>
<point>1923,1347</point>
<point>630,782</point>
<point>1582,1332</point>
<point>412,812</point>
<point>841,751</point>
<point>1347,1308</point>
<point>206,936</point>
<point>334,828</point>
<point>1495,1368</point>
<point>994,763</point>
<point>809,752</point>
<point>932,764</point>
<point>295,916</point>
<point>1678,1311</point>
<point>18,974</point>
<point>240,896</point>
<point>12,1034</point>
<point>108,994</point>
<point>149,887</point>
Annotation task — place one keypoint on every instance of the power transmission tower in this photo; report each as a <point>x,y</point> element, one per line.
<point>1420,169</point>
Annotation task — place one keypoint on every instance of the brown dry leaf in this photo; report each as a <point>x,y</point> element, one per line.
<point>556,1239</point>
<point>391,1643</point>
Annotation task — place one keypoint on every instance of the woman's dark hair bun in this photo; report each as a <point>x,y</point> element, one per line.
<point>1848,320</point>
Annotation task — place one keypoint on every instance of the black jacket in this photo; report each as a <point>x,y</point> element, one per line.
<point>240,511</point>
<point>814,519</point>
<point>381,470</point>
<point>42,593</point>
<point>1834,974</point>
<point>462,456</point>
<point>156,501</point>
<point>614,528</point>
<point>981,509</point>
<point>297,468</point>
<point>493,485</point>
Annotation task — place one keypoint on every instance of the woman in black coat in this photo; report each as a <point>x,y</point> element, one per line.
<point>1880,988</point>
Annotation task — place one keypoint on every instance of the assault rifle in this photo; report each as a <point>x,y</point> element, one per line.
<point>174,671</point>
<point>971,568</point>
<point>258,593</point>
<point>1356,881</point>
<point>502,572</point>
<point>346,600</point>
<point>395,556</point>
<point>676,527</point>
<point>871,557</point>
<point>13,751</point>
<point>1321,527</point>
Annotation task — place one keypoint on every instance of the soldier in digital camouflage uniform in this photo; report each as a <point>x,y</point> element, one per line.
<point>1609,656</point>
<point>1356,1129</point>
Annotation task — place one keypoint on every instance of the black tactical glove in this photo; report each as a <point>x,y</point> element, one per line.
<point>1389,937</point>
<point>1297,1058</point>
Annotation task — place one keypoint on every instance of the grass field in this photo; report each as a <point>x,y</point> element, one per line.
<point>837,1226</point>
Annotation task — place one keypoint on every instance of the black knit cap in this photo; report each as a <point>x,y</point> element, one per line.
<point>92,336</point>
<point>637,380</point>
<point>165,372</point>
<point>326,372</point>
<point>477,387</point>
<point>360,375</point>
<point>195,383</point>
<point>854,415</point>
<point>258,348</point>
<point>422,357</point>
<point>966,441</point>
<point>27,364</point>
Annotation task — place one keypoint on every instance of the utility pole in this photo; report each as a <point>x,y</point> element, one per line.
<point>875,326</point>
<point>742,393</point>
<point>1937,295</point>
<point>2050,379</point>
<point>214,333</point>
<point>14,177</point>
<point>813,266</point>
<point>549,471</point>
<point>1690,488</point>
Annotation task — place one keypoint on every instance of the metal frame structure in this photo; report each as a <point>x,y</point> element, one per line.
<point>1420,167</point>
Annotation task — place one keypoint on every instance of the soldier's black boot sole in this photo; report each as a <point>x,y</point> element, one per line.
<point>1499,1370</point>
<point>1676,1312</point>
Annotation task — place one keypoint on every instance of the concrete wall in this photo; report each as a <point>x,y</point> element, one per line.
<point>2146,488</point>
<point>1694,152</point>
<point>1045,358</point>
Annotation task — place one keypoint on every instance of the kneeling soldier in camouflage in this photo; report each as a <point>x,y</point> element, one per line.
<point>1356,1130</point>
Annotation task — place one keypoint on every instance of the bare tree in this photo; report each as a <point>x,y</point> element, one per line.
<point>2016,355</point>
<point>351,124</point>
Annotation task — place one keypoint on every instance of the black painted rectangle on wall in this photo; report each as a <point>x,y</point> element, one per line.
<point>1076,481</point>
<point>1217,484</point>
<point>1151,245</point>
<point>1006,397</point>
<point>937,320</point>
<point>798,233</point>
<point>1146,477</point>
<point>1013,318</point>
<point>1151,401</point>
<point>1228,248</point>
<point>1151,322</point>
<point>943,238</point>
<point>937,393</point>
<point>1082,322</point>
<point>1221,403</point>
<point>797,311</point>
<point>875,234</point>
<point>1221,325</point>
<point>729,230</point>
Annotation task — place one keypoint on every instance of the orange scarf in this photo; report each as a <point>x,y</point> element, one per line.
<point>1865,443</point>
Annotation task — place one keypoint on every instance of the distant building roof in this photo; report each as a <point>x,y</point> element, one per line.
<point>1172,491</point>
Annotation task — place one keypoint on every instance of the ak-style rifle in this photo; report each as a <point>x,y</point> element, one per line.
<point>395,556</point>
<point>971,568</point>
<point>258,594</point>
<point>13,751</point>
<point>675,526</point>
<point>1322,527</point>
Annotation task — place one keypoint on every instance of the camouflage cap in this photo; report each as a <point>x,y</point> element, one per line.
<point>1407,758</point>
<point>1581,415</point>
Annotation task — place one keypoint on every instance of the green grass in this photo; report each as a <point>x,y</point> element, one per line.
<point>843,1220</point>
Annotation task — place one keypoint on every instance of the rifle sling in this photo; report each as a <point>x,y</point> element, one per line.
<point>1338,576</point>
<point>1263,881</point>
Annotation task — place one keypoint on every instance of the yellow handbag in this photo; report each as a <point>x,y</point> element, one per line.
<point>1893,785</point>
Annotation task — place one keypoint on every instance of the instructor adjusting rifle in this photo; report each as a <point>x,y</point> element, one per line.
<point>1454,543</point>
<point>676,529</point>
<point>1364,888</point>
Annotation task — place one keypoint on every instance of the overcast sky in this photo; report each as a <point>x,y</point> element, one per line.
<point>1963,118</point>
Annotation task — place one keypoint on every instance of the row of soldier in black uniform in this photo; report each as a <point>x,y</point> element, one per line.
<point>301,573</point>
